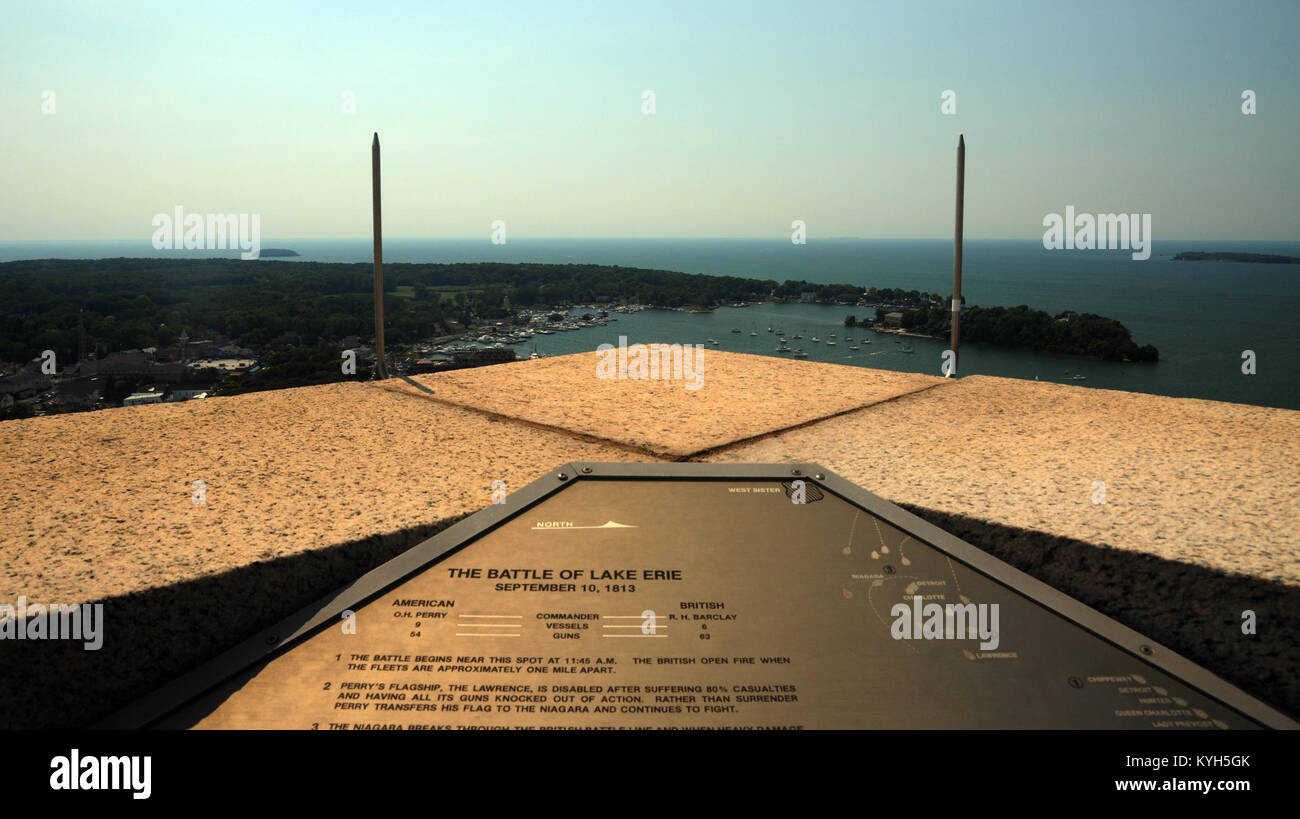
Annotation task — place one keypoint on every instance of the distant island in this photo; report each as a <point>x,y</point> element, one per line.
<point>276,251</point>
<point>1259,258</point>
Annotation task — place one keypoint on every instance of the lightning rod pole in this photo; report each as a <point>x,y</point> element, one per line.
<point>379,261</point>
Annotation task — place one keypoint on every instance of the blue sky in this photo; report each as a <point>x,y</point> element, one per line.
<point>765,113</point>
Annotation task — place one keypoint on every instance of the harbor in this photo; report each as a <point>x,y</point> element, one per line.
<point>802,331</point>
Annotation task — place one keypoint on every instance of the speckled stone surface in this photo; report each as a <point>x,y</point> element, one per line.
<point>1201,519</point>
<point>1202,482</point>
<point>100,504</point>
<point>306,489</point>
<point>740,396</point>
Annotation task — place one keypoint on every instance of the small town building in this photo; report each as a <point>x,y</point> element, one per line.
<point>24,384</point>
<point>82,393</point>
<point>186,393</point>
<point>137,398</point>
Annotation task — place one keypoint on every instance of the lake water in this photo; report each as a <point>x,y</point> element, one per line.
<point>1201,315</point>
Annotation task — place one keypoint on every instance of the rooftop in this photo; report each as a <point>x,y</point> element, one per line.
<point>304,489</point>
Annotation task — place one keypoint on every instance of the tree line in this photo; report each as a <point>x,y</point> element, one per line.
<point>80,307</point>
<point>1066,333</point>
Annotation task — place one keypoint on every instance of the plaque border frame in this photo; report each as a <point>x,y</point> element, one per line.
<point>280,637</point>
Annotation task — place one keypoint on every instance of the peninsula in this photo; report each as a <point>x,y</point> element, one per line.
<point>1258,258</point>
<point>143,327</point>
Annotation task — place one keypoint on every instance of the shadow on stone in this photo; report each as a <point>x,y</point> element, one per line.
<point>1193,610</point>
<point>153,636</point>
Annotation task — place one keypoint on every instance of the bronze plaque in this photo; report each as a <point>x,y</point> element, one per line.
<point>715,603</point>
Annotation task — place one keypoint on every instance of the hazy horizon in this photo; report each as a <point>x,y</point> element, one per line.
<point>486,240</point>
